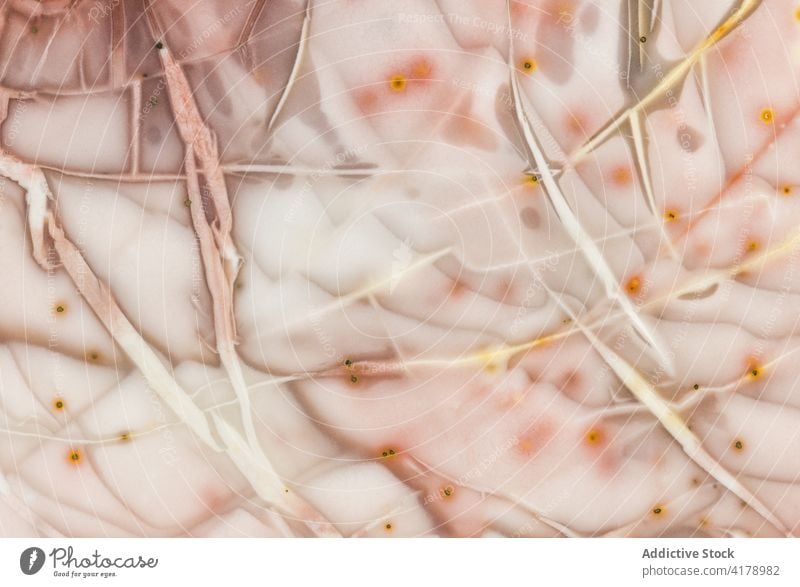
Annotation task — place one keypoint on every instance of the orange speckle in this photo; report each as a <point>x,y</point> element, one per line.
<point>634,285</point>
<point>387,526</point>
<point>447,491</point>
<point>621,175</point>
<point>671,215</point>
<point>797,14</point>
<point>531,181</point>
<point>738,444</point>
<point>658,510</point>
<point>59,404</point>
<point>125,437</point>
<point>525,446</point>
<point>752,246</point>
<point>398,83</point>
<point>787,190</point>
<point>75,456</point>
<point>767,115</point>
<point>60,308</point>
<point>388,453</point>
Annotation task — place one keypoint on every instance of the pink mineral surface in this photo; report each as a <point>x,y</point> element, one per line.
<point>399,268</point>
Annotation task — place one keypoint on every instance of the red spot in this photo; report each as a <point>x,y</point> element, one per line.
<point>457,289</point>
<point>576,124</point>
<point>214,499</point>
<point>420,69</point>
<point>366,101</point>
<point>570,381</point>
<point>702,249</point>
<point>462,128</point>
<point>555,12</point>
<point>521,9</point>
<point>505,289</point>
<point>535,438</point>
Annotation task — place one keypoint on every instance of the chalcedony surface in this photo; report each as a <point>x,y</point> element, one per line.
<point>411,268</point>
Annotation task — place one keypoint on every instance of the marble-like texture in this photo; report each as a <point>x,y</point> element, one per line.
<point>409,268</point>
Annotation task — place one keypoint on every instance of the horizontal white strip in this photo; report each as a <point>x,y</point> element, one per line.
<point>401,562</point>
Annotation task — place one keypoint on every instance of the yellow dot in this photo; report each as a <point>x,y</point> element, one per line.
<point>787,190</point>
<point>634,283</point>
<point>448,491</point>
<point>767,115</point>
<point>754,370</point>
<point>531,180</point>
<point>398,83</point>
<point>60,308</point>
<point>738,444</point>
<point>528,65</point>
<point>797,14</point>
<point>594,436</point>
<point>388,527</point>
<point>388,453</point>
<point>124,437</point>
<point>671,215</point>
<point>58,404</point>
<point>658,510</point>
<point>75,456</point>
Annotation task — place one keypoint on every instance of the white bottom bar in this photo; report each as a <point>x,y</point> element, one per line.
<point>402,562</point>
